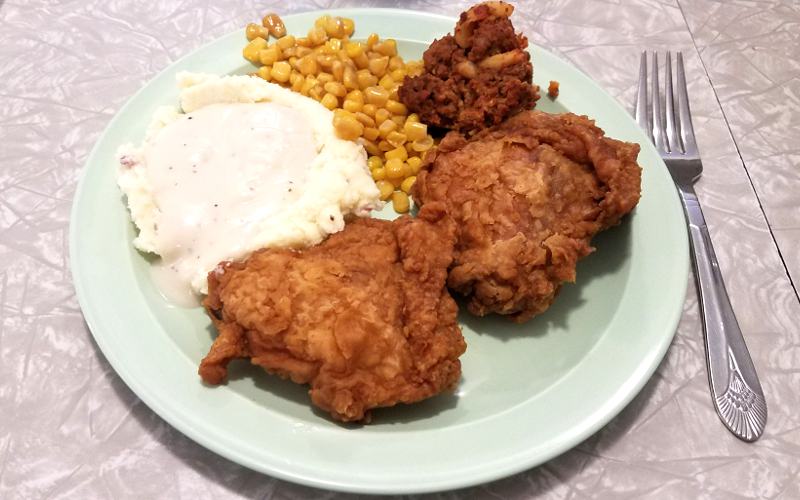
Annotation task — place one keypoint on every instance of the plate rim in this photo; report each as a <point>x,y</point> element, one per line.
<point>622,395</point>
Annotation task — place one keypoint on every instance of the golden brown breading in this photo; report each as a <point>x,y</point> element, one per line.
<point>527,197</point>
<point>364,317</point>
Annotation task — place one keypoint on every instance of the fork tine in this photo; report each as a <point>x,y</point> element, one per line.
<point>641,97</point>
<point>659,134</point>
<point>672,126</point>
<point>687,131</point>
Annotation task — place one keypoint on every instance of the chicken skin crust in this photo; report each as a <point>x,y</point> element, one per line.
<point>364,318</point>
<point>527,197</point>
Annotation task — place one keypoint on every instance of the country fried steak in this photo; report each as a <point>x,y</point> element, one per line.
<point>527,197</point>
<point>364,318</point>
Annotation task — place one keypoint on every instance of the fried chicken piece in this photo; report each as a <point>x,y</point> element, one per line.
<point>475,78</point>
<point>364,318</point>
<point>527,198</point>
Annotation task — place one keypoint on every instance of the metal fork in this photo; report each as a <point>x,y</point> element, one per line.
<point>735,388</point>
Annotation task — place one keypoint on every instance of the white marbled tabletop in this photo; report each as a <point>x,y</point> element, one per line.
<point>69,427</point>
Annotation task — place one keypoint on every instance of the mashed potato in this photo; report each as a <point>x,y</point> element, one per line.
<point>244,164</point>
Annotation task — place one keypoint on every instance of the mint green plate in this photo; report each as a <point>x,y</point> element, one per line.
<point>529,392</point>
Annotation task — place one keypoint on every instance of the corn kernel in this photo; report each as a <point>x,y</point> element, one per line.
<point>307,85</point>
<point>376,95</point>
<point>345,124</point>
<point>295,77</point>
<point>361,61</point>
<point>253,31</point>
<point>334,27</point>
<point>423,144</point>
<point>352,106</point>
<point>349,78</point>
<point>378,66</point>
<point>413,117</point>
<point>334,44</point>
<point>365,79</point>
<point>369,109</point>
<point>387,127</point>
<point>307,65</point>
<point>297,83</point>
<point>396,108</point>
<point>252,50</point>
<point>337,69</point>
<point>378,174</point>
<point>371,147</point>
<point>304,42</point>
<point>386,82</point>
<point>399,120</point>
<point>353,49</point>
<point>336,89</point>
<point>324,77</point>
<point>396,139</point>
<point>386,48</point>
<point>330,101</point>
<point>384,146</point>
<point>399,153</point>
<point>281,71</point>
<point>348,25</point>
<point>414,68</point>
<point>396,63</point>
<point>317,36</point>
<point>386,189</point>
<point>370,133</point>
<point>356,95</point>
<point>264,72</point>
<point>372,39</point>
<point>398,75</point>
<point>285,42</point>
<point>374,162</point>
<point>407,183</point>
<point>400,202</point>
<point>316,92</point>
<point>415,162</point>
<point>364,118</point>
<point>394,168</point>
<point>326,60</point>
<point>381,115</point>
<point>415,130</point>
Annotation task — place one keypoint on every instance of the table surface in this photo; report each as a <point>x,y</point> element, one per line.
<point>69,427</point>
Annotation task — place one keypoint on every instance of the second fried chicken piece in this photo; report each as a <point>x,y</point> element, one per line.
<point>364,318</point>
<point>527,198</point>
<point>475,78</point>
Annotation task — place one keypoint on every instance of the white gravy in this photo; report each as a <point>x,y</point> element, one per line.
<point>216,173</point>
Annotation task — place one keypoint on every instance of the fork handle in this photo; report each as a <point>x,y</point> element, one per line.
<point>735,388</point>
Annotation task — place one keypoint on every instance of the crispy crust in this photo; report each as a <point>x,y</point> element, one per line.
<point>364,318</point>
<point>527,197</point>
